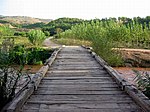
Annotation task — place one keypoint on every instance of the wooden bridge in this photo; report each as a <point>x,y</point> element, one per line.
<point>77,80</point>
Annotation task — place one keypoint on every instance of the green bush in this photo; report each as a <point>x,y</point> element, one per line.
<point>38,55</point>
<point>100,34</point>
<point>23,34</point>
<point>35,55</point>
<point>47,33</point>
<point>18,55</point>
<point>36,37</point>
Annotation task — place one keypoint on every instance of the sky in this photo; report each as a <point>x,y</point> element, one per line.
<point>84,9</point>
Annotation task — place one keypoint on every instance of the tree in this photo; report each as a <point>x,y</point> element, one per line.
<point>36,37</point>
<point>62,23</point>
<point>47,33</point>
<point>58,31</point>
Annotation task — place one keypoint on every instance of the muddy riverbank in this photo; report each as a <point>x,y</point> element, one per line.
<point>135,57</point>
<point>128,73</point>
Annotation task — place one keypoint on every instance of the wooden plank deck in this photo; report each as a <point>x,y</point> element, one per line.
<point>76,82</point>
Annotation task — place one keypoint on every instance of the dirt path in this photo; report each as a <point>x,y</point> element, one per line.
<point>49,43</point>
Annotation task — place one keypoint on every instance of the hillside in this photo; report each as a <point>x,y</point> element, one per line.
<point>22,20</point>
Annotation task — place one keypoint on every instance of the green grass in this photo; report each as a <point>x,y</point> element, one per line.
<point>18,40</point>
<point>22,40</point>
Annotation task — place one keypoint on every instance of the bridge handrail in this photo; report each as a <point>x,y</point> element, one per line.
<point>134,93</point>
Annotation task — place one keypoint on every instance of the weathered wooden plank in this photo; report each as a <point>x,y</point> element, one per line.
<point>80,97</point>
<point>75,57</point>
<point>104,87</point>
<point>80,92</point>
<point>78,52</point>
<point>74,78</point>
<point>77,74</point>
<point>64,54</point>
<point>75,68</point>
<point>75,60</point>
<point>78,89</point>
<point>75,63</point>
<point>79,85</point>
<point>83,110</point>
<point>76,81</point>
<point>107,79</point>
<point>81,106</point>
<point>77,102</point>
<point>76,71</point>
<point>139,97</point>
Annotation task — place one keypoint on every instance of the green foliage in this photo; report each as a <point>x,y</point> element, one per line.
<point>143,81</point>
<point>6,31</point>
<point>36,37</point>
<point>99,33</point>
<point>61,23</point>
<point>33,26</point>
<point>58,31</point>
<point>18,55</point>
<point>19,33</point>
<point>3,21</point>
<point>47,33</point>
<point>38,55</point>
<point>22,55</point>
<point>107,34</point>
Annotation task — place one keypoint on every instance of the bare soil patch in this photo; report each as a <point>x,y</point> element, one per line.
<point>128,74</point>
<point>136,57</point>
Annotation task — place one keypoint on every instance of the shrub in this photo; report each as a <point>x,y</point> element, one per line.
<point>18,55</point>
<point>47,33</point>
<point>36,37</point>
<point>6,31</point>
<point>100,35</point>
<point>23,34</point>
<point>38,55</point>
<point>34,55</point>
<point>143,81</point>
